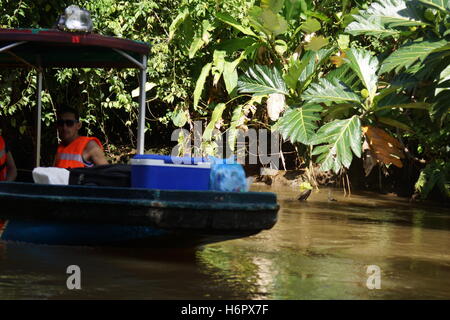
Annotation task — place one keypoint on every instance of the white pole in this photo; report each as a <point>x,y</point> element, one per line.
<point>39,117</point>
<point>142,98</point>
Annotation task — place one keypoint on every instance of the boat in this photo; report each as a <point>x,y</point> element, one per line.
<point>114,216</point>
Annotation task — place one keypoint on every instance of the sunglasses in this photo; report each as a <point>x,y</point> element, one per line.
<point>69,123</point>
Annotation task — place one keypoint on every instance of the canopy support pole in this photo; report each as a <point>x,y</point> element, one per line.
<point>39,118</point>
<point>12,45</point>
<point>130,58</point>
<point>142,98</point>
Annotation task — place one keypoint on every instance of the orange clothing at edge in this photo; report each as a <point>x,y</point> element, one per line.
<point>3,156</point>
<point>71,156</point>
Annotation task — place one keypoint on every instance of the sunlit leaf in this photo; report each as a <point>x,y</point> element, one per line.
<point>234,23</point>
<point>316,43</point>
<point>342,139</point>
<point>201,83</point>
<point>262,80</point>
<point>310,25</point>
<point>216,116</point>
<point>299,124</point>
<point>407,55</point>
<point>329,91</point>
<point>365,66</point>
<point>273,5</point>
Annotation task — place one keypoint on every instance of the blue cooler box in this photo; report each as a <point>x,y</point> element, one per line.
<point>169,173</point>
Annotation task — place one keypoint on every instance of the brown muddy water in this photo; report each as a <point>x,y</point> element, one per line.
<point>319,249</point>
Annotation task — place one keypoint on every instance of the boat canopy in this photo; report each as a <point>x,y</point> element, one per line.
<point>52,48</point>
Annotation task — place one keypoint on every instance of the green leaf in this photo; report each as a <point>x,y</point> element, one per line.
<point>292,9</point>
<point>342,139</point>
<point>371,26</point>
<point>236,120</point>
<point>274,5</point>
<point>201,83</point>
<point>218,65</point>
<point>196,44</point>
<point>394,123</point>
<point>180,117</point>
<point>268,22</point>
<point>434,174</point>
<point>414,105</point>
<point>441,5</point>
<point>316,43</point>
<point>441,107</point>
<point>330,91</point>
<point>295,69</point>
<point>315,61</point>
<point>345,74</point>
<point>148,86</point>
<point>233,45</point>
<point>299,124</point>
<point>311,25</point>
<point>262,80</point>
<point>234,23</point>
<point>394,13</point>
<point>338,111</point>
<point>216,116</point>
<point>365,66</point>
<point>177,22</point>
<point>407,55</point>
<point>230,76</point>
<point>343,41</point>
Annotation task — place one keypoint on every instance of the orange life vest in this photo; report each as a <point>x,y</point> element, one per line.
<point>71,156</point>
<point>3,156</point>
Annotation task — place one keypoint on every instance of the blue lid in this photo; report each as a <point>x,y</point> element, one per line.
<point>172,159</point>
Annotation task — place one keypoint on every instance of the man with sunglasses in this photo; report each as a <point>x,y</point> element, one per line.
<point>76,151</point>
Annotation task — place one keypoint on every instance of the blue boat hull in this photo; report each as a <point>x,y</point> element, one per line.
<point>106,216</point>
<point>82,234</point>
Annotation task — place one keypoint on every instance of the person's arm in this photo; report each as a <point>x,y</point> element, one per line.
<point>95,154</point>
<point>11,170</point>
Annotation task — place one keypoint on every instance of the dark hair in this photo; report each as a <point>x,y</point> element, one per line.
<point>66,109</point>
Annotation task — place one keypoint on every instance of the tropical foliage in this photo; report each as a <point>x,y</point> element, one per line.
<point>338,79</point>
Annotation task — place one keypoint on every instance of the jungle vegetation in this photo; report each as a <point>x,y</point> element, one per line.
<point>340,80</point>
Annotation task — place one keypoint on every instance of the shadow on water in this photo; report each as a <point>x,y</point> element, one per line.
<point>318,249</point>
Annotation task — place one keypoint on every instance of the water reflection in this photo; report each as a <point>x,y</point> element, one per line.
<point>317,250</point>
<point>321,250</point>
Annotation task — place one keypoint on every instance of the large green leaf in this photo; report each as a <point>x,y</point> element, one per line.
<point>441,108</point>
<point>368,25</point>
<point>442,5</point>
<point>341,139</point>
<point>234,23</point>
<point>216,116</point>
<point>218,65</point>
<point>177,22</point>
<point>201,83</point>
<point>295,69</point>
<point>332,90</point>
<point>273,5</point>
<point>407,55</point>
<point>394,123</point>
<point>394,13</point>
<point>414,105</point>
<point>299,124</point>
<point>262,80</point>
<point>365,66</point>
<point>345,74</point>
<point>315,60</point>
<point>265,20</point>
